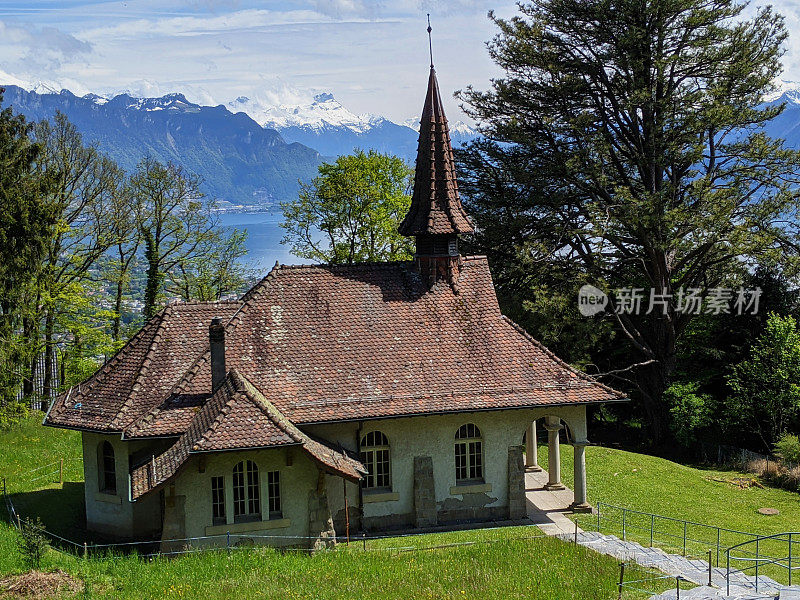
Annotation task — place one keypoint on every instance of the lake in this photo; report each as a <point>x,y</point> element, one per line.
<point>264,235</point>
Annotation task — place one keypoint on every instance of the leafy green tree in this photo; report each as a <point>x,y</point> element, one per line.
<point>27,222</point>
<point>214,271</point>
<point>84,187</point>
<point>350,212</point>
<point>765,386</point>
<point>623,146</point>
<point>174,223</point>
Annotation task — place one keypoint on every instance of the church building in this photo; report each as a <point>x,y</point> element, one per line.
<point>332,399</point>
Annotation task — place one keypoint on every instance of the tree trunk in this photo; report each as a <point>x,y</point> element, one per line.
<point>47,392</point>
<point>116,323</point>
<point>153,277</point>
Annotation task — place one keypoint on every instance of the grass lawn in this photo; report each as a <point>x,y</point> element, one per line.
<point>517,566</point>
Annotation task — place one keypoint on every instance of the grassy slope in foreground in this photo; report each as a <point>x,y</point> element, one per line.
<point>514,568</point>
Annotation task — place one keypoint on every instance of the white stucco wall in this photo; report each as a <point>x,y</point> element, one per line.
<point>296,481</point>
<point>114,514</point>
<point>434,436</point>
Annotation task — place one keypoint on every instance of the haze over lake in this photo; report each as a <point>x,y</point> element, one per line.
<point>264,235</point>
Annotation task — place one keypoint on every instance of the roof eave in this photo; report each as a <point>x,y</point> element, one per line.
<point>300,423</point>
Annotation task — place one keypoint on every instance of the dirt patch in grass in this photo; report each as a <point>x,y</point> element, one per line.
<point>37,585</point>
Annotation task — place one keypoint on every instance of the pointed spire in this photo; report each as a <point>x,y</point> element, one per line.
<point>435,204</point>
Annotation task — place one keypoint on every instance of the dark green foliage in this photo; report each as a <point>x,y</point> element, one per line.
<point>765,386</point>
<point>32,542</point>
<point>27,220</point>
<point>623,148</point>
<point>788,449</point>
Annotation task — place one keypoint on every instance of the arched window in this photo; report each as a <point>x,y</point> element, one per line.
<point>107,469</point>
<point>469,453</point>
<point>246,492</point>
<point>375,456</point>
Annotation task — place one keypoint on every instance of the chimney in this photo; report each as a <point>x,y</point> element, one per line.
<point>216,338</point>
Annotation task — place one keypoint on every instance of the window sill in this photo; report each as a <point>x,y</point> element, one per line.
<point>470,488</point>
<point>107,498</point>
<point>379,496</point>
<point>248,527</point>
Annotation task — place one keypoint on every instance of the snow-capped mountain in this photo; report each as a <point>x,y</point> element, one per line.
<point>326,125</point>
<point>322,112</point>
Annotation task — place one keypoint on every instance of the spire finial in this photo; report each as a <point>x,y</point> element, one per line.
<point>430,43</point>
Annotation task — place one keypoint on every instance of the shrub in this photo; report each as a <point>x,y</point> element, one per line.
<point>32,542</point>
<point>788,449</point>
<point>690,412</point>
<point>12,414</point>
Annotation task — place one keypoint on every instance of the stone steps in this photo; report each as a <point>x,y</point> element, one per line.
<point>742,586</point>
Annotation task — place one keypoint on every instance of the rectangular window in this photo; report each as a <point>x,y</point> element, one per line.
<point>218,500</point>
<point>238,493</point>
<point>253,493</point>
<point>378,468</point>
<point>461,461</point>
<point>274,494</point>
<point>475,460</point>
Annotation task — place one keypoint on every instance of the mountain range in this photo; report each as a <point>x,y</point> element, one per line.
<point>252,153</point>
<point>246,152</point>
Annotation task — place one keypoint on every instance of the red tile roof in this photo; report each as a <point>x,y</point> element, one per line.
<point>143,371</point>
<point>435,204</point>
<point>335,343</point>
<point>238,417</point>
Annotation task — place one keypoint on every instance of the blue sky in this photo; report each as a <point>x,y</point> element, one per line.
<point>372,54</point>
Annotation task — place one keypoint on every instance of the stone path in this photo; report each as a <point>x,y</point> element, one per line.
<point>548,510</point>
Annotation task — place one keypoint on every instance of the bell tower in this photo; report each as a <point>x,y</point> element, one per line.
<point>435,217</point>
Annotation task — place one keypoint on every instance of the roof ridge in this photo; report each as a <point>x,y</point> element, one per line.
<point>559,361</point>
<point>144,367</point>
<point>106,367</point>
<point>271,411</point>
<point>223,412</point>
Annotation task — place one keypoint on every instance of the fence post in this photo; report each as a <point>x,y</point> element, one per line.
<point>576,534</point>
<point>61,472</point>
<point>621,579</point>
<point>652,527</point>
<point>623,524</point>
<point>757,554</point>
<point>709,568</point>
<point>678,587</point>
<point>85,551</point>
<point>228,541</point>
<point>728,572</point>
<point>790,559</point>
<point>598,514</point>
<point>718,532</point>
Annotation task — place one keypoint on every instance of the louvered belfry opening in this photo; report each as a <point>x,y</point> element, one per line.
<point>435,217</point>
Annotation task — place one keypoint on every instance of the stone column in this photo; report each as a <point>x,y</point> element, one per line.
<point>531,449</point>
<point>424,493</point>
<point>517,508</point>
<point>553,426</point>
<point>580,504</point>
<point>320,521</point>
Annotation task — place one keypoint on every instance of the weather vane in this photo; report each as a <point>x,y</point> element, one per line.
<point>430,43</point>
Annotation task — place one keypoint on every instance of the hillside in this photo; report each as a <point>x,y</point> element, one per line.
<point>239,161</point>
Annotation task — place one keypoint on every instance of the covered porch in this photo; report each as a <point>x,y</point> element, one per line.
<point>548,500</point>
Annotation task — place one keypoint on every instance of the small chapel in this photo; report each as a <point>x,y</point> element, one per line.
<point>332,399</point>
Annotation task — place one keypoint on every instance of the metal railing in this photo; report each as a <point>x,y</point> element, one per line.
<point>687,537</point>
<point>760,560</point>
